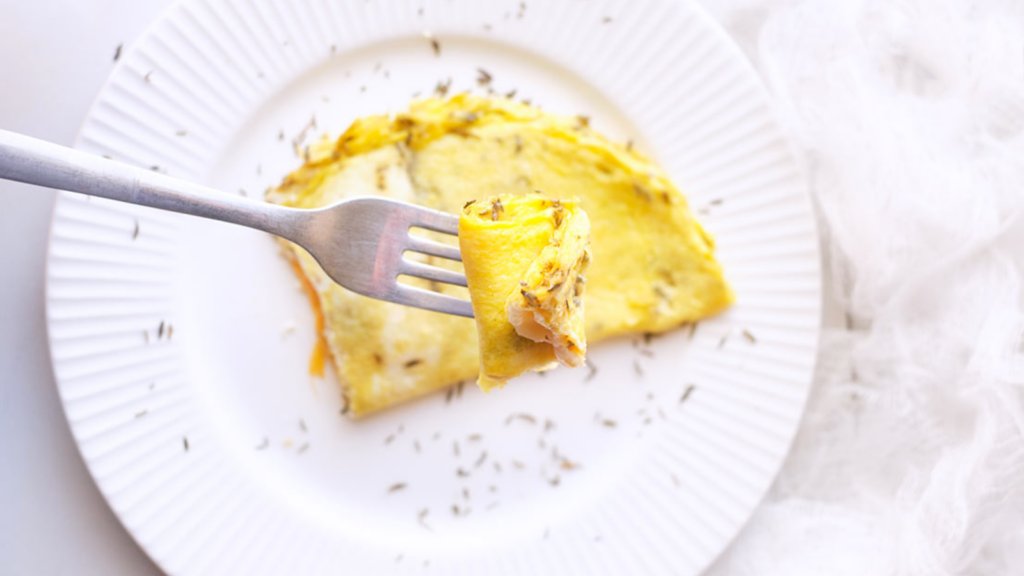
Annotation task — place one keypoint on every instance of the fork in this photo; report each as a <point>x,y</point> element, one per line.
<point>359,242</point>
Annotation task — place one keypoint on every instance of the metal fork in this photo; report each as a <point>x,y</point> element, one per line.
<point>360,243</point>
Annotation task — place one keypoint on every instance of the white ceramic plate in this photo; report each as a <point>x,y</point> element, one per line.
<point>221,456</point>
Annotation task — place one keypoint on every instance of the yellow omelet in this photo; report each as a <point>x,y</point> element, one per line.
<point>524,258</point>
<point>653,265</point>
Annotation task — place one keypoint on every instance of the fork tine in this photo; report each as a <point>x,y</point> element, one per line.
<point>421,270</point>
<point>434,248</point>
<point>434,220</point>
<point>420,298</point>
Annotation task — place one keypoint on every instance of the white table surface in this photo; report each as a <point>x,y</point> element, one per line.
<point>54,57</point>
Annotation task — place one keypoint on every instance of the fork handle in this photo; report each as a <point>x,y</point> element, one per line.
<point>34,161</point>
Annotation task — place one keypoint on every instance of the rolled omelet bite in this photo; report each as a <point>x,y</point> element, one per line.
<point>548,307</point>
<point>524,258</point>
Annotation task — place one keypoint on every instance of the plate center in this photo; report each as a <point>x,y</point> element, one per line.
<point>494,469</point>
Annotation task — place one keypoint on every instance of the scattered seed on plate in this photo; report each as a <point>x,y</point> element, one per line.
<point>117,52</point>
<point>636,368</point>
<point>160,330</point>
<point>147,76</point>
<point>686,393</point>
<point>416,446</point>
<point>520,416</point>
<point>389,439</point>
<point>421,517</point>
<point>497,467</point>
<point>396,487</point>
<point>606,20</point>
<point>181,133</point>
<point>750,337</point>
<point>442,87</point>
<point>461,472</point>
<point>609,423</point>
<point>435,45</point>
<point>184,441</point>
<point>265,444</point>
<point>480,461</point>
<point>303,448</point>
<point>591,371</point>
<point>455,447</point>
<point>519,465</point>
<point>302,425</point>
<point>141,413</point>
<point>135,233</point>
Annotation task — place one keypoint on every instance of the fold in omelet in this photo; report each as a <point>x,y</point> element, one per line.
<point>653,265</point>
<point>524,258</point>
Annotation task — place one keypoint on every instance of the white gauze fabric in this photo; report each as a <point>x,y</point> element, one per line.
<point>909,117</point>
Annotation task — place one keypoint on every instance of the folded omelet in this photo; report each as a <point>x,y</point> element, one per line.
<point>525,257</point>
<point>653,266</point>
